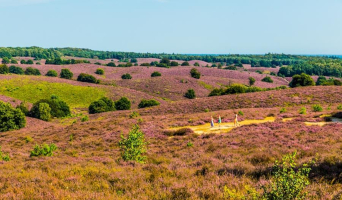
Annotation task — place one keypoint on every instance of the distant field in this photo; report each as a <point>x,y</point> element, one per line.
<point>26,89</point>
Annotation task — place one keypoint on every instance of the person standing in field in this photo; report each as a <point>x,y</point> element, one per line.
<point>236,122</point>
<point>219,121</point>
<point>212,122</point>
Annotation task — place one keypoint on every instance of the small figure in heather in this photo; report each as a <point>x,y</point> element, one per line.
<point>212,122</point>
<point>236,121</point>
<point>219,121</point>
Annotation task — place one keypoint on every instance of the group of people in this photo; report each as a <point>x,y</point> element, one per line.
<point>236,122</point>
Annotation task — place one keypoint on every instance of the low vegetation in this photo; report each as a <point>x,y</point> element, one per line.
<point>11,118</point>
<point>148,103</point>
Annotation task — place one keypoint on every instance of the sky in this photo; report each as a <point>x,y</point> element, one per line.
<point>176,26</point>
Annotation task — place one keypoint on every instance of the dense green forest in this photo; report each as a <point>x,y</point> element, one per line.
<point>291,64</point>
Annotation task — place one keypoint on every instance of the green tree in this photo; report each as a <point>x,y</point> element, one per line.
<point>52,73</point>
<point>165,61</point>
<point>195,73</point>
<point>32,71</point>
<point>174,64</point>
<point>4,69</point>
<point>123,104</point>
<point>10,118</point>
<point>190,94</point>
<point>87,78</point>
<point>302,80</point>
<point>16,70</point>
<point>102,105</point>
<point>29,62</point>
<point>185,63</point>
<point>58,107</point>
<point>251,81</point>
<point>42,111</point>
<point>66,73</point>
<point>22,62</point>
<point>133,147</point>
<point>321,80</point>
<point>5,60</point>
<point>14,61</point>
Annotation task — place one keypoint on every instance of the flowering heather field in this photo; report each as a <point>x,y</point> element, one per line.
<point>88,162</point>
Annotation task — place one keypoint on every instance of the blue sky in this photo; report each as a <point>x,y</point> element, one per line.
<point>176,26</point>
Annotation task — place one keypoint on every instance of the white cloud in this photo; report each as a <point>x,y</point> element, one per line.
<point>4,3</point>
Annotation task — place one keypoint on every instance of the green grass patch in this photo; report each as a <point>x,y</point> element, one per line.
<point>31,91</point>
<point>206,86</point>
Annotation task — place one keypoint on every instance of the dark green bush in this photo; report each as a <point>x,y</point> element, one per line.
<point>22,62</point>
<point>195,73</point>
<point>185,63</point>
<point>4,69</point>
<point>102,105</point>
<point>14,61</point>
<point>302,80</point>
<point>29,62</point>
<point>134,60</point>
<point>148,103</point>
<point>126,76</point>
<point>251,81</point>
<point>5,60</point>
<point>43,150</point>
<point>111,64</point>
<point>155,74</point>
<point>123,104</point>
<point>190,94</point>
<point>267,79</point>
<point>145,64</point>
<point>321,80</point>
<point>217,92</point>
<point>24,108</point>
<point>52,73</point>
<point>58,107</point>
<point>16,70</point>
<point>66,73</point>
<point>196,64</point>
<point>41,111</point>
<point>317,108</point>
<point>162,65</point>
<point>99,71</point>
<point>10,118</point>
<point>32,71</point>
<point>231,68</point>
<point>165,61</point>
<point>87,78</point>
<point>174,64</point>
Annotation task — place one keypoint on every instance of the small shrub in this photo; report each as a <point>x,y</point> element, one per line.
<point>196,64</point>
<point>16,70</point>
<point>4,157</point>
<point>87,78</point>
<point>99,71</point>
<point>28,139</point>
<point>195,73</point>
<point>282,110</point>
<point>185,63</point>
<point>317,108</point>
<point>126,76</point>
<point>52,73</point>
<point>155,74</point>
<point>43,150</point>
<point>240,113</point>
<point>111,64</point>
<point>267,79</point>
<point>339,107</point>
<point>29,62</point>
<point>123,104</point>
<point>189,144</point>
<point>288,182</point>
<point>4,69</point>
<point>251,81</point>
<point>102,105</point>
<point>32,71</point>
<point>148,103</point>
<point>41,111</point>
<point>66,73</point>
<point>174,64</point>
<point>5,60</point>
<point>134,114</point>
<point>85,118</point>
<point>190,94</point>
<point>134,146</point>
<point>10,118</point>
<point>302,111</point>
